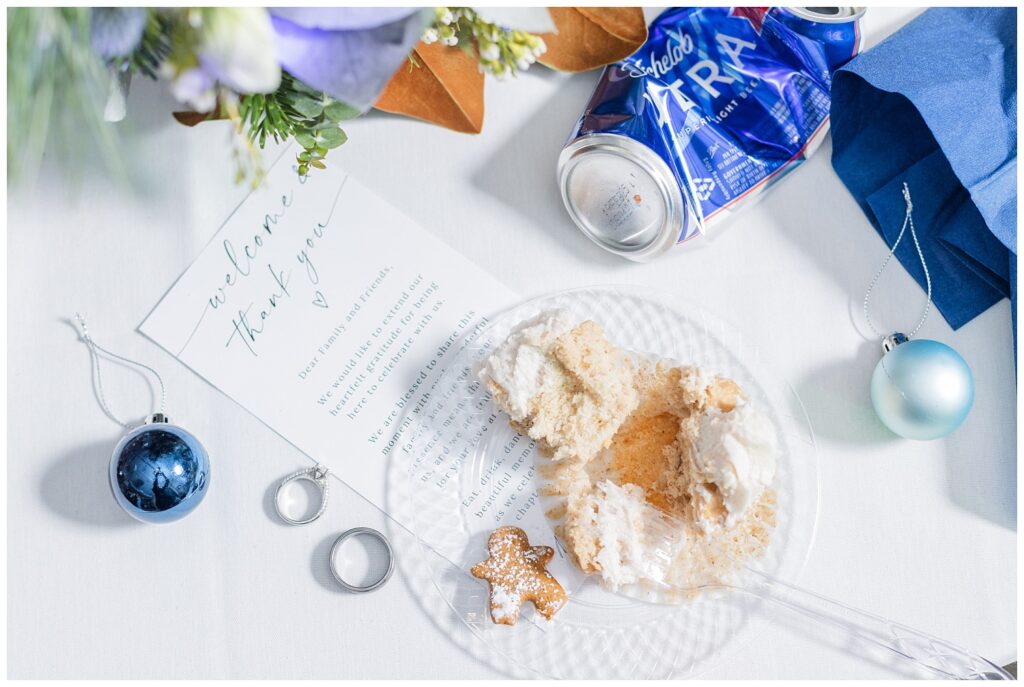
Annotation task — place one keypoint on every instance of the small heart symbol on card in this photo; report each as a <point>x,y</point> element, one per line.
<point>319,300</point>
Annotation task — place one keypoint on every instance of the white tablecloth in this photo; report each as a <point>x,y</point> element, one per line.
<point>920,532</point>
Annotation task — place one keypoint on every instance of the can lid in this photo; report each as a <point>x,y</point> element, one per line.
<point>622,195</point>
<point>827,15</point>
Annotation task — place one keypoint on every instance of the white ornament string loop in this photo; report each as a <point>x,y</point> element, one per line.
<point>94,349</point>
<point>907,221</point>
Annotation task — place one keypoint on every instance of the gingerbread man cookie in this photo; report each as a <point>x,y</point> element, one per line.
<point>516,574</point>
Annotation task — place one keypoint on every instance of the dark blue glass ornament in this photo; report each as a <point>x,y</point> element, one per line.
<point>159,472</point>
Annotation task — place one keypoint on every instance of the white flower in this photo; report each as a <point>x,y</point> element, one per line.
<point>523,64</point>
<point>489,51</point>
<point>429,36</point>
<point>445,17</point>
<point>447,35</point>
<point>236,47</point>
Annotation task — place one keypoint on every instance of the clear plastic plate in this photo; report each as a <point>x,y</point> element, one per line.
<point>599,634</point>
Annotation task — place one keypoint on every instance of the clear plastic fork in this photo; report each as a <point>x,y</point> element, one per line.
<point>940,658</point>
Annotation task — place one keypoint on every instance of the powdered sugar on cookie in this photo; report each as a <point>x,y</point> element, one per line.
<point>516,573</point>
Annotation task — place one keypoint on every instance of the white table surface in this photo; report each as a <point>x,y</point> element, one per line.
<point>920,532</point>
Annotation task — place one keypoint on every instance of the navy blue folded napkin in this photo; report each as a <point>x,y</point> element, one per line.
<point>935,105</point>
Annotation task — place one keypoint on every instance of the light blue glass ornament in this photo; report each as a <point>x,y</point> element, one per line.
<point>921,389</point>
<point>159,472</point>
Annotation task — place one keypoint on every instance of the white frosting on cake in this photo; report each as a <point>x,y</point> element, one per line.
<point>737,451</point>
<point>522,366</point>
<point>615,516</point>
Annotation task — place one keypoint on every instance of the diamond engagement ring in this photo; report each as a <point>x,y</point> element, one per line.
<point>318,476</point>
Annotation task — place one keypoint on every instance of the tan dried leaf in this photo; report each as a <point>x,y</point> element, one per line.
<point>591,37</point>
<point>444,87</point>
<point>192,118</point>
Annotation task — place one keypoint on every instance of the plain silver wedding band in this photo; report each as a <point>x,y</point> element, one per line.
<point>358,532</point>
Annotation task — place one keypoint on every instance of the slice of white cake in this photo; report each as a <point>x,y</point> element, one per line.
<point>661,472</point>
<point>562,384</point>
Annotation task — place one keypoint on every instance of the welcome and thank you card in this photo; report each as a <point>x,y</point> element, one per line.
<point>326,313</point>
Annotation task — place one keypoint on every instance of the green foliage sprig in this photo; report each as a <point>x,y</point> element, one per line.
<point>296,111</point>
<point>153,48</point>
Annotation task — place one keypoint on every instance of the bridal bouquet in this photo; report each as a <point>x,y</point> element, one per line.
<point>285,73</point>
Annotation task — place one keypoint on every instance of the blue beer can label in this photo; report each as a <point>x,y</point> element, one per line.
<point>721,101</point>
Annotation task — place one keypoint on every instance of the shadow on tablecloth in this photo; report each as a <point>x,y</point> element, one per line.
<point>76,486</point>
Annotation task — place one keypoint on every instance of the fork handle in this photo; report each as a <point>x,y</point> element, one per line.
<point>938,656</point>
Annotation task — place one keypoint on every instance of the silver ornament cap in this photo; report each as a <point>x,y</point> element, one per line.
<point>893,340</point>
<point>921,389</point>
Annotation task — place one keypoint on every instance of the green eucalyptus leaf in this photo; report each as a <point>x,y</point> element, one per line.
<point>297,86</point>
<point>306,106</point>
<point>338,111</point>
<point>305,139</point>
<point>330,138</point>
<point>318,164</point>
<point>324,123</point>
<point>339,138</point>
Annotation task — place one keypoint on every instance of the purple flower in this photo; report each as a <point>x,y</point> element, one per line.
<point>196,88</point>
<point>348,53</point>
<point>342,18</point>
<point>116,31</point>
